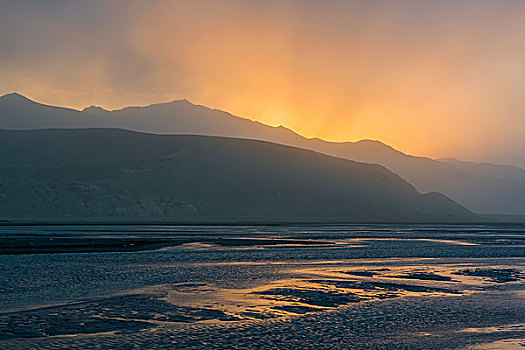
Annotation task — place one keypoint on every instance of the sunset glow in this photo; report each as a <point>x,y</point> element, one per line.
<point>429,78</point>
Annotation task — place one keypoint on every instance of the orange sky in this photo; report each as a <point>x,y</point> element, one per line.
<point>436,78</point>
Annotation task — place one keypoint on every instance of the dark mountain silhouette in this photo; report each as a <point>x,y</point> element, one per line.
<point>109,174</point>
<point>487,169</point>
<point>19,112</point>
<point>482,188</point>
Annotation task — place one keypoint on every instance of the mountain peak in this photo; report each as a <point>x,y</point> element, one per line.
<point>14,97</point>
<point>94,108</point>
<point>376,144</point>
<point>182,101</point>
<point>372,142</point>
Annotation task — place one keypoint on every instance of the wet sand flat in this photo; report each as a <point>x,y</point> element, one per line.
<point>351,287</point>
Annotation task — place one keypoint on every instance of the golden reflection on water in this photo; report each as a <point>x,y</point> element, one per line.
<point>324,286</point>
<point>321,285</point>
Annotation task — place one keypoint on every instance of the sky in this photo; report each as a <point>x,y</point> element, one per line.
<point>433,78</point>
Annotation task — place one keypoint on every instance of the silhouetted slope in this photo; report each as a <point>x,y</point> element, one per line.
<point>487,169</point>
<point>19,112</point>
<point>487,188</point>
<point>477,188</point>
<point>107,174</point>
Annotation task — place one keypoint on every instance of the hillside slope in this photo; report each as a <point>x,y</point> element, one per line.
<point>108,174</point>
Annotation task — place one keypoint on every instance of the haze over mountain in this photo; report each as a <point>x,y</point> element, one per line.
<point>485,188</point>
<point>110,174</point>
<point>439,78</point>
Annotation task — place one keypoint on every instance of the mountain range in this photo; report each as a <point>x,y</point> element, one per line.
<point>114,175</point>
<point>483,188</point>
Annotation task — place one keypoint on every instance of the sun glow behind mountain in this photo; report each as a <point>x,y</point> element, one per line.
<point>430,78</point>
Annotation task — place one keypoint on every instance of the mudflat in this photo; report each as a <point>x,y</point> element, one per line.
<point>316,286</point>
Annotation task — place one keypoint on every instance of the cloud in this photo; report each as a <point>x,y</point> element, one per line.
<point>434,78</point>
